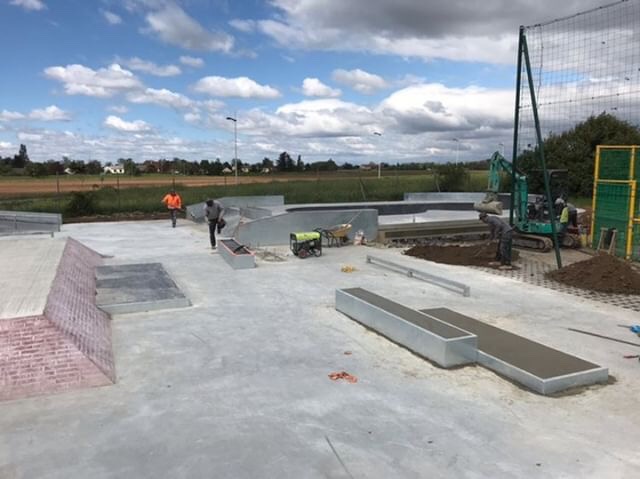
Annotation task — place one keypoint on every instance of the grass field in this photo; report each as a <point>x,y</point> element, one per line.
<point>117,196</point>
<point>143,194</point>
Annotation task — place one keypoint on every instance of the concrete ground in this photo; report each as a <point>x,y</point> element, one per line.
<point>237,386</point>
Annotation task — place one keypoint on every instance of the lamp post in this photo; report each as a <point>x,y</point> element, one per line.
<point>235,145</point>
<point>457,149</point>
<point>376,133</point>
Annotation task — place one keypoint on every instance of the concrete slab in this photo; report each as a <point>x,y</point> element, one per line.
<point>24,222</point>
<point>28,270</point>
<point>237,384</point>
<point>534,365</point>
<point>423,334</point>
<point>132,288</point>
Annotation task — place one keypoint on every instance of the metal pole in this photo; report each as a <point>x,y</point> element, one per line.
<point>379,161</point>
<point>235,143</point>
<point>547,188</point>
<point>516,116</point>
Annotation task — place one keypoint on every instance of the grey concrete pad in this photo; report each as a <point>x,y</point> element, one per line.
<point>236,386</point>
<point>28,268</point>
<point>132,288</point>
<point>534,365</point>
<point>423,334</point>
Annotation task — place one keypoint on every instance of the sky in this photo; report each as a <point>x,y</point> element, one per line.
<point>352,80</point>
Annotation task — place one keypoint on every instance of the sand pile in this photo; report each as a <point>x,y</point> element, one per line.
<point>469,255</point>
<point>603,273</point>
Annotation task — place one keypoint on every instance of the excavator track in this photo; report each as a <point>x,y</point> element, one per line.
<point>538,243</point>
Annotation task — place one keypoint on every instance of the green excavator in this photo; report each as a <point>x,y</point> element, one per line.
<point>532,219</point>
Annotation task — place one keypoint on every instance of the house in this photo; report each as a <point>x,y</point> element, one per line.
<point>69,171</point>
<point>265,170</point>
<point>114,170</point>
<point>227,170</point>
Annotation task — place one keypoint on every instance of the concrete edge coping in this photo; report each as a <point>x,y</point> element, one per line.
<point>538,384</point>
<point>446,352</point>
<point>446,283</point>
<point>142,306</point>
<point>244,260</point>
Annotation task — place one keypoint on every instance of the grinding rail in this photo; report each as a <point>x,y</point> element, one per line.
<point>423,334</point>
<point>236,254</point>
<point>534,365</point>
<point>449,284</point>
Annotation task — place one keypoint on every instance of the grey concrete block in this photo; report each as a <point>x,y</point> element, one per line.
<point>429,337</point>
<point>20,222</point>
<point>236,254</point>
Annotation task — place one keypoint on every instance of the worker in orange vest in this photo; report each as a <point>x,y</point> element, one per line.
<point>174,204</point>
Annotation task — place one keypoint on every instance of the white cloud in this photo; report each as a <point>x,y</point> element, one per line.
<point>140,65</point>
<point>119,124</point>
<point>314,87</point>
<point>193,62</point>
<point>192,117</point>
<point>241,87</point>
<point>23,136</point>
<point>162,97</point>
<point>105,82</point>
<point>118,109</point>
<point>360,80</point>
<point>175,27</point>
<point>437,108</point>
<point>50,113</point>
<point>6,115</point>
<point>246,26</point>
<point>111,18</point>
<point>29,4</point>
<point>5,145</point>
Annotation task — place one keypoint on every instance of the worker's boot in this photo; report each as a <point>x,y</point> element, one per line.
<point>506,267</point>
<point>494,263</point>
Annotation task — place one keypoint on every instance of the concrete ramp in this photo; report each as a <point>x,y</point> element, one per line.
<point>24,222</point>
<point>53,338</point>
<point>534,365</point>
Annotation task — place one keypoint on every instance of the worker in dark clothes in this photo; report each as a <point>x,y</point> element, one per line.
<point>503,232</point>
<point>213,212</point>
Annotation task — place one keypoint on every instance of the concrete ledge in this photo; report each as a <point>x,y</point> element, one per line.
<point>451,285</point>
<point>19,222</point>
<point>236,255</point>
<point>538,367</point>
<point>425,335</point>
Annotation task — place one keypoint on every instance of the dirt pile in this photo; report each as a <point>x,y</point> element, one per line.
<point>603,273</point>
<point>466,255</point>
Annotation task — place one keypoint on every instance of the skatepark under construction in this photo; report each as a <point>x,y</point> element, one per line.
<point>131,349</point>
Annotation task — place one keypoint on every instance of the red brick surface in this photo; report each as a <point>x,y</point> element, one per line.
<point>67,347</point>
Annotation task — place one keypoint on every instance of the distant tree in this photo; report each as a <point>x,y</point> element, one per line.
<point>347,166</point>
<point>299,164</point>
<point>94,167</point>
<point>285,162</point>
<point>451,177</point>
<point>574,150</point>
<point>21,159</point>
<point>267,163</point>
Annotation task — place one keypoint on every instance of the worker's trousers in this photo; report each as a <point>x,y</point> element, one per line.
<point>213,224</point>
<point>173,214</point>
<point>504,248</point>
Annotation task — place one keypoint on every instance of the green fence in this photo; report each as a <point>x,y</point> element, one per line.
<point>616,203</point>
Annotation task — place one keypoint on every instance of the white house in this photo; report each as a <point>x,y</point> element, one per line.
<point>114,170</point>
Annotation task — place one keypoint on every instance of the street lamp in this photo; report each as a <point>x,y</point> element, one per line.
<point>379,161</point>
<point>235,144</point>
<point>457,149</point>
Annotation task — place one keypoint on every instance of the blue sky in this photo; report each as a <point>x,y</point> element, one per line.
<point>153,79</point>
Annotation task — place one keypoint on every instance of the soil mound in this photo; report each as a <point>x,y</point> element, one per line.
<point>466,255</point>
<point>603,273</point>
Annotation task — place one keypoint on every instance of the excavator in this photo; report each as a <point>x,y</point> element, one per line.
<point>532,219</point>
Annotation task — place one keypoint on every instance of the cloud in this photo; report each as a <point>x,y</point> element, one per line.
<point>174,26</point>
<point>118,109</point>
<point>245,26</point>
<point>102,83</point>
<point>24,136</point>
<point>111,17</point>
<point>162,97</point>
<point>193,62</point>
<point>426,30</point>
<point>140,65</point>
<point>360,80</point>
<point>436,108</point>
<point>240,87</point>
<point>314,87</point>
<point>50,113</point>
<point>6,115</point>
<point>119,124</point>
<point>5,145</point>
<point>32,5</point>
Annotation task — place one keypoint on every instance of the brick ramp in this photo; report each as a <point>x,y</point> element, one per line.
<point>66,347</point>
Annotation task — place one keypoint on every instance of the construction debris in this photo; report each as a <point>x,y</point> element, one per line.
<point>343,375</point>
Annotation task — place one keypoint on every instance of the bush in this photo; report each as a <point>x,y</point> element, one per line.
<point>82,203</point>
<point>451,177</point>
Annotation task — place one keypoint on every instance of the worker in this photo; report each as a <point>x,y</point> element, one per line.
<point>568,216</point>
<point>503,232</point>
<point>174,204</point>
<point>213,212</point>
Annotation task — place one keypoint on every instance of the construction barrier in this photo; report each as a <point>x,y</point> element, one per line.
<point>615,199</point>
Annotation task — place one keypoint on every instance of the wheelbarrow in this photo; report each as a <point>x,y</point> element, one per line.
<point>335,235</point>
